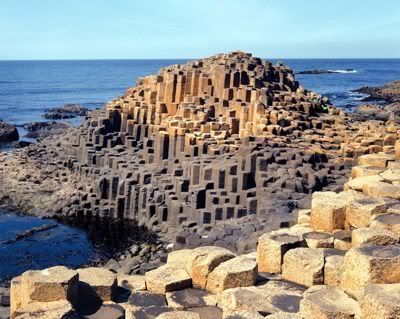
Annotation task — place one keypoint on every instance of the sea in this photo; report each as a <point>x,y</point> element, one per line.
<point>29,88</point>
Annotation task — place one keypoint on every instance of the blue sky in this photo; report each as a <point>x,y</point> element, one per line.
<point>112,29</point>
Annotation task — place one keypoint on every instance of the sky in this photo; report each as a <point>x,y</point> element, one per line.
<point>157,29</point>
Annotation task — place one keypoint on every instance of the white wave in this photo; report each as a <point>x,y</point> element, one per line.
<point>343,71</point>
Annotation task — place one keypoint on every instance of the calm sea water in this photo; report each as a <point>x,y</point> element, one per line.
<point>28,88</point>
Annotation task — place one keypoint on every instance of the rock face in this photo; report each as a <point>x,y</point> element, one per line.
<point>8,133</point>
<point>66,112</point>
<point>53,284</point>
<point>44,129</point>
<point>390,92</point>
<point>227,137</point>
<point>357,278</point>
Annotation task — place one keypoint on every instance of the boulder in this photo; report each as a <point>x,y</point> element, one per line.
<point>263,300</point>
<point>8,133</point>
<point>342,240</point>
<point>360,211</point>
<point>365,170</point>
<point>52,284</point>
<point>380,301</point>
<point>190,298</point>
<point>389,221</point>
<point>242,314</point>
<point>272,247</point>
<point>319,240</point>
<point>66,112</point>
<point>203,261</point>
<point>145,299</point>
<point>180,258</point>
<point>304,266</point>
<point>46,310</point>
<point>373,236</point>
<point>179,315</point>
<point>358,183</point>
<point>391,175</point>
<point>370,265</point>
<point>150,312</point>
<point>284,316</point>
<point>328,211</point>
<point>240,271</point>
<point>108,310</point>
<point>322,302</point>
<point>97,285</point>
<point>131,282</point>
<point>167,278</point>
<point>207,312</point>
<point>381,190</point>
<point>377,160</point>
<point>334,266</point>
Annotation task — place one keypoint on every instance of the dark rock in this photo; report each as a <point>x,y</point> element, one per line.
<point>112,265</point>
<point>146,299</point>
<point>389,93</point>
<point>207,312</point>
<point>44,129</point>
<point>8,132</point>
<point>21,144</point>
<point>326,71</point>
<point>4,312</point>
<point>4,297</point>
<point>108,312</point>
<point>67,111</point>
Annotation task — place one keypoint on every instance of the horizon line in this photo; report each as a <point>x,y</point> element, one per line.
<point>171,59</point>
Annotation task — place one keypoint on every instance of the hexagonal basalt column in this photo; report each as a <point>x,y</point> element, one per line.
<point>381,301</point>
<point>304,266</point>
<point>272,247</point>
<point>328,211</point>
<point>370,264</point>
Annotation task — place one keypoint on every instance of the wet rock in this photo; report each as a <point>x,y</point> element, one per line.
<point>20,144</point>
<point>8,132</point>
<point>44,129</point>
<point>389,93</point>
<point>66,112</point>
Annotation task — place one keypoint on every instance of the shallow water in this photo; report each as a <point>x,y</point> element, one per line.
<point>72,243</point>
<point>60,245</point>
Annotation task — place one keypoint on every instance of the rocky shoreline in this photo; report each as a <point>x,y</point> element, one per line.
<point>217,152</point>
<point>340,260</point>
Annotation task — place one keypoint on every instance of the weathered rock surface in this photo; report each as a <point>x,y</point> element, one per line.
<point>390,92</point>
<point>197,145</point>
<point>53,284</point>
<point>167,278</point>
<point>66,112</point>
<point>8,133</point>
<point>381,301</point>
<point>44,129</point>
<point>237,272</point>
<point>327,302</point>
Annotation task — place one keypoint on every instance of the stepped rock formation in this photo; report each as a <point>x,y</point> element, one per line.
<point>351,270</point>
<point>195,146</point>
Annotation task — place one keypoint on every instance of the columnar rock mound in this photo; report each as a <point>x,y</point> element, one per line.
<point>306,271</point>
<point>195,145</point>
